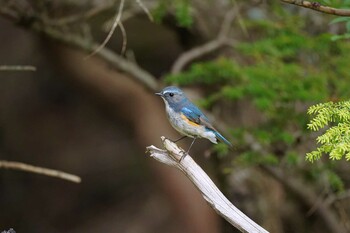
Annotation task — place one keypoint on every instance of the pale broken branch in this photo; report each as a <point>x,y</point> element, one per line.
<point>175,157</point>
<point>39,170</point>
<point>318,7</point>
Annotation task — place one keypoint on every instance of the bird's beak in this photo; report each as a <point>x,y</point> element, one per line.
<point>160,94</point>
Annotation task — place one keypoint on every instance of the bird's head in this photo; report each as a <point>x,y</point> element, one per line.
<point>172,95</point>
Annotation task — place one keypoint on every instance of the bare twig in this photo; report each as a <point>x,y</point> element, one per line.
<point>39,170</point>
<point>318,7</point>
<point>145,9</point>
<point>125,38</point>
<point>295,185</point>
<point>78,17</point>
<point>309,197</point>
<point>136,72</point>
<point>17,68</point>
<point>331,199</point>
<point>114,26</point>
<point>174,156</point>
<point>196,52</point>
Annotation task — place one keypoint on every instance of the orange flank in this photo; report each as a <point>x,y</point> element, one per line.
<point>188,121</point>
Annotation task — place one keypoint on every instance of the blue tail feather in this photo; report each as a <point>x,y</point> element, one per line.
<point>222,139</point>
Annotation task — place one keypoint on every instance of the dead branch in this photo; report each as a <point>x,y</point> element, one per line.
<point>17,68</point>
<point>295,185</point>
<point>318,7</point>
<point>308,196</point>
<point>145,9</point>
<point>114,26</point>
<point>70,39</point>
<point>196,52</point>
<point>78,17</point>
<point>337,197</point>
<point>39,170</point>
<point>175,157</point>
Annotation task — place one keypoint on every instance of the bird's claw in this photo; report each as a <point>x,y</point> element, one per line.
<point>183,155</point>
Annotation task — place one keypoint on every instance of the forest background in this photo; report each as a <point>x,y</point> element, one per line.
<point>256,67</point>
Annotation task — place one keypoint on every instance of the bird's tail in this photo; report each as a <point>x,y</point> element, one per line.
<point>221,138</point>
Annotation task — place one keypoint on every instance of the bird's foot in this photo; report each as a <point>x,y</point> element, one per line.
<point>183,155</point>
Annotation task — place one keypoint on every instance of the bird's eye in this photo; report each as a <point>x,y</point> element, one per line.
<point>171,94</point>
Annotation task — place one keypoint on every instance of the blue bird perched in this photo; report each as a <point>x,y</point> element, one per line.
<point>186,117</point>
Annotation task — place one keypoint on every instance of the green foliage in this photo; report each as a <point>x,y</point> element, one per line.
<point>346,22</point>
<point>284,69</point>
<point>341,20</point>
<point>336,140</point>
<point>183,13</point>
<point>280,69</point>
<point>181,9</point>
<point>335,181</point>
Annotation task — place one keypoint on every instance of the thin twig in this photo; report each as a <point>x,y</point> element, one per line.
<point>136,72</point>
<point>78,17</point>
<point>196,52</point>
<point>114,26</point>
<point>176,157</point>
<point>17,68</point>
<point>39,170</point>
<point>296,186</point>
<point>318,7</point>
<point>331,199</point>
<point>308,196</point>
<point>145,9</point>
<point>125,38</point>
<point>70,39</point>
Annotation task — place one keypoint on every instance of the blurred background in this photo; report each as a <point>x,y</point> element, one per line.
<point>255,66</point>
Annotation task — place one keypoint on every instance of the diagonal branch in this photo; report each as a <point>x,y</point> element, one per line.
<point>175,157</point>
<point>39,170</point>
<point>114,26</point>
<point>309,197</point>
<point>318,7</point>
<point>136,72</point>
<point>70,39</point>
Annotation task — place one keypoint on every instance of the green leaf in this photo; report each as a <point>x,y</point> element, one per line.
<point>340,20</point>
<point>183,13</point>
<point>340,37</point>
<point>335,181</point>
<point>348,25</point>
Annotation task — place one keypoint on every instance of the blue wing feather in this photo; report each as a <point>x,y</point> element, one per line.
<point>195,115</point>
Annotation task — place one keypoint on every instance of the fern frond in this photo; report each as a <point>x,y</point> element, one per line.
<point>336,140</point>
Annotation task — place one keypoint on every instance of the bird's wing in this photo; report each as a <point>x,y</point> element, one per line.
<point>193,114</point>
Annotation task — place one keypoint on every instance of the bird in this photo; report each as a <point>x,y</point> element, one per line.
<point>187,118</point>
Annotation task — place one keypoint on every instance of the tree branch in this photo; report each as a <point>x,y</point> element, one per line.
<point>70,39</point>
<point>17,68</point>
<point>307,195</point>
<point>175,157</point>
<point>39,170</point>
<point>110,33</point>
<point>196,52</point>
<point>295,185</point>
<point>318,7</point>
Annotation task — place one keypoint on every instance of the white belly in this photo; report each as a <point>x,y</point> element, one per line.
<point>185,128</point>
